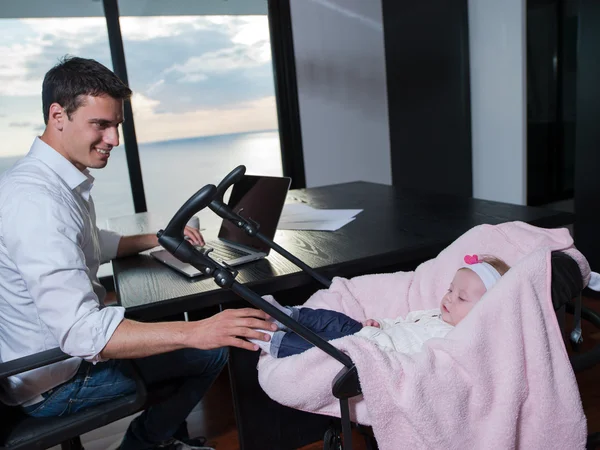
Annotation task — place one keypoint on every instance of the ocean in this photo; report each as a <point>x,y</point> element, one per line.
<point>174,170</point>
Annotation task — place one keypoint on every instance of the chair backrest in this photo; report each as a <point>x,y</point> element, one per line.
<point>567,281</point>
<point>11,417</point>
<point>566,285</point>
<point>18,431</point>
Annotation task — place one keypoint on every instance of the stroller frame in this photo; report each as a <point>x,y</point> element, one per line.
<point>346,383</point>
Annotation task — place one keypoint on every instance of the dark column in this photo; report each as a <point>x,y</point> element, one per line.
<point>286,90</point>
<point>111,11</point>
<point>427,64</point>
<point>587,134</point>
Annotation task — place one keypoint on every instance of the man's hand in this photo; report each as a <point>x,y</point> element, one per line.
<point>229,327</point>
<point>193,235</point>
<point>132,245</point>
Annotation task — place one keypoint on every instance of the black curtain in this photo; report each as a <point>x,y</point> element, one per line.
<point>587,141</point>
<point>428,84</point>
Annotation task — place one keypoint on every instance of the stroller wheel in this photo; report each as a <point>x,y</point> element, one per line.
<point>332,439</point>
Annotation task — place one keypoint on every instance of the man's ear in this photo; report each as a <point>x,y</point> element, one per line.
<point>57,116</point>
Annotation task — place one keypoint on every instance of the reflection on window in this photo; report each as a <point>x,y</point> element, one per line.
<point>203,103</point>
<point>29,49</point>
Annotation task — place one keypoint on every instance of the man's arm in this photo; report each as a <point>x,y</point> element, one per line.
<point>131,245</point>
<point>136,339</point>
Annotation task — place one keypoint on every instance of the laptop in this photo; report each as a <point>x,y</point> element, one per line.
<point>259,198</point>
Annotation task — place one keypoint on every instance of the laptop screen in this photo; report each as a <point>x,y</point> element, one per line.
<point>261,199</point>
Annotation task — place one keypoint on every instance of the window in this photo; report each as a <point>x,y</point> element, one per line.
<point>203,103</point>
<point>204,97</point>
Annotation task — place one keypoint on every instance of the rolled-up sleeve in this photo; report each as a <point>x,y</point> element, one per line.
<point>109,244</point>
<point>47,251</point>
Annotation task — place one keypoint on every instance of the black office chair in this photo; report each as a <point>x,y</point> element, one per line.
<point>19,431</point>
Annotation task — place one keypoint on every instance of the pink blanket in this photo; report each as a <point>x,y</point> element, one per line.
<point>500,379</point>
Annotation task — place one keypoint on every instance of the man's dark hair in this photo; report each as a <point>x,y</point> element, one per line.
<point>75,77</point>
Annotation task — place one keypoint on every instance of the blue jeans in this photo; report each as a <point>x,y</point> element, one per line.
<point>325,323</point>
<point>95,384</point>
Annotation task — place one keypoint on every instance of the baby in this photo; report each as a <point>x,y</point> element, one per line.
<point>406,335</point>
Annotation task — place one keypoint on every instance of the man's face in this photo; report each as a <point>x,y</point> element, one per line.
<point>91,132</point>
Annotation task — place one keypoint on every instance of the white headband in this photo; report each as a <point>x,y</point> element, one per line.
<point>486,272</point>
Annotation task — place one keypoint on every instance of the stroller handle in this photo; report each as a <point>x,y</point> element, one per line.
<point>171,238</point>
<point>230,179</point>
<point>217,205</point>
<point>251,228</point>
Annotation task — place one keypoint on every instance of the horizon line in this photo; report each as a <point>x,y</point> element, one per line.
<point>207,136</point>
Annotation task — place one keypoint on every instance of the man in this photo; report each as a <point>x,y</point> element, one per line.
<point>50,296</point>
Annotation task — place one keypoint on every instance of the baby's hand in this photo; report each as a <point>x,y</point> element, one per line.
<point>370,323</point>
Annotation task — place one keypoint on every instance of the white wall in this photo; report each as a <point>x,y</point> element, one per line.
<point>340,64</point>
<point>497,40</point>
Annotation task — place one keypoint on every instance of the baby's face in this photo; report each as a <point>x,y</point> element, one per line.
<point>465,290</point>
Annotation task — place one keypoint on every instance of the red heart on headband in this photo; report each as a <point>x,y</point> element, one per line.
<point>471,259</point>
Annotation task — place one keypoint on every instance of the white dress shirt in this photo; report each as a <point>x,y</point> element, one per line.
<point>50,251</point>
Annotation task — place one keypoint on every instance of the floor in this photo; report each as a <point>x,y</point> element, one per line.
<point>214,417</point>
<point>589,387</point>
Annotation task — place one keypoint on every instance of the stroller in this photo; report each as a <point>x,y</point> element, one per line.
<point>346,384</point>
<point>567,284</point>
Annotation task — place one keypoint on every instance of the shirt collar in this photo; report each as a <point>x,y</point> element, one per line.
<point>77,180</point>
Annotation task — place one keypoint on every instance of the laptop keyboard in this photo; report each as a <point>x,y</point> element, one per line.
<point>222,252</point>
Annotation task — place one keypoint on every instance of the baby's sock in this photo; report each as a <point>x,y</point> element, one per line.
<point>265,346</point>
<point>289,310</point>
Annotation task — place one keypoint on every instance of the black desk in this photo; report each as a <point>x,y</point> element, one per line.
<point>397,230</point>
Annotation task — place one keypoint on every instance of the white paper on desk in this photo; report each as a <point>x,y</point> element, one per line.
<point>329,225</point>
<point>296,212</point>
<point>298,216</point>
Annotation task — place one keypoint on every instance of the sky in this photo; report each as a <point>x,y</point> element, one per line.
<point>191,76</point>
